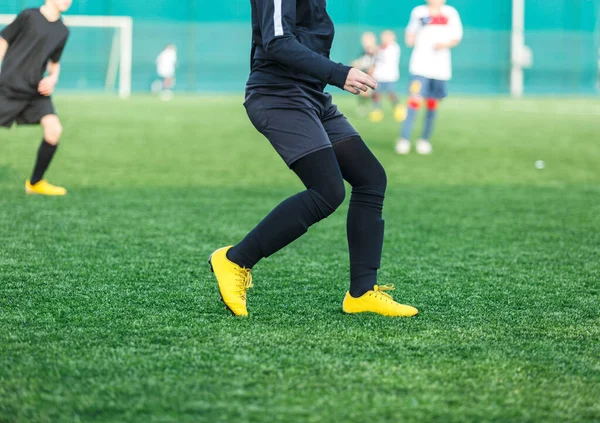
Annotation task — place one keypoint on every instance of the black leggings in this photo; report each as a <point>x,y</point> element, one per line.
<point>323,174</point>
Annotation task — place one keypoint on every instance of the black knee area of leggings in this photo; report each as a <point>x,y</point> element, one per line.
<point>327,200</point>
<point>363,171</point>
<point>321,175</point>
<point>325,191</point>
<point>360,167</point>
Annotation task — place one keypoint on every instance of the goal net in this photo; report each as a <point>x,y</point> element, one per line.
<point>98,53</point>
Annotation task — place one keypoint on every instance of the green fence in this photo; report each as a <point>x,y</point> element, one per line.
<point>213,40</point>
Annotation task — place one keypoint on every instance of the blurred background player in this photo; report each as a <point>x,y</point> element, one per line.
<point>365,63</point>
<point>165,68</point>
<point>387,73</point>
<point>30,45</point>
<point>433,30</point>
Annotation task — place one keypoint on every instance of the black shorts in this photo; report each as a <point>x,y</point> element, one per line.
<point>296,121</point>
<point>24,112</point>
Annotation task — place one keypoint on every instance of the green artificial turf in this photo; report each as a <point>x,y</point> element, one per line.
<point>108,311</point>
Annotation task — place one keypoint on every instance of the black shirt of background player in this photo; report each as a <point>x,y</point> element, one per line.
<point>32,42</point>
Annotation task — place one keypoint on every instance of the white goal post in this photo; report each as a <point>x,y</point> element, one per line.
<point>121,50</point>
<point>521,56</point>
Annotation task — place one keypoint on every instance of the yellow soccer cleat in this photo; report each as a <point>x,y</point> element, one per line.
<point>234,281</point>
<point>377,301</point>
<point>400,113</point>
<point>44,188</point>
<point>376,116</point>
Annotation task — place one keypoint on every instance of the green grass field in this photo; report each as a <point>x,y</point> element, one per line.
<point>108,311</point>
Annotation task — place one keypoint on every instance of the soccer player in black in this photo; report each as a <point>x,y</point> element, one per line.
<point>285,101</point>
<point>30,47</point>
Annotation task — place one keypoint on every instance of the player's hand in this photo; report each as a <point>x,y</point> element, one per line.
<point>358,81</point>
<point>446,46</point>
<point>46,85</point>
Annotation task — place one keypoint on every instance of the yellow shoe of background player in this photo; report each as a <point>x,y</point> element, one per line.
<point>234,281</point>
<point>377,301</point>
<point>376,116</point>
<point>44,188</point>
<point>400,113</point>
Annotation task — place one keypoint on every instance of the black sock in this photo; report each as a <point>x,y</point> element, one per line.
<point>364,225</point>
<point>364,228</point>
<point>44,157</point>
<point>325,191</point>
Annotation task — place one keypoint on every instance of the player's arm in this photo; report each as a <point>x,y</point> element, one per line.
<point>3,48</point>
<point>410,36</point>
<point>448,45</point>
<point>47,84</point>
<point>280,43</point>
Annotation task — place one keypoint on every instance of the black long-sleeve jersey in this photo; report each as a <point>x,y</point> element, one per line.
<point>291,42</point>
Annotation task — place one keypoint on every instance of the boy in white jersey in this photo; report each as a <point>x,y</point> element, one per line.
<point>433,31</point>
<point>165,68</point>
<point>387,74</point>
